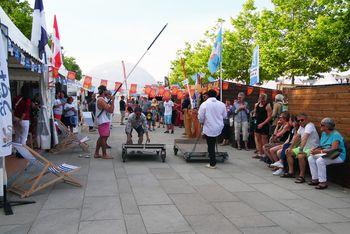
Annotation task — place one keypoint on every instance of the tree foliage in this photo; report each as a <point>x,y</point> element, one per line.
<point>297,37</point>
<point>71,65</point>
<point>20,13</point>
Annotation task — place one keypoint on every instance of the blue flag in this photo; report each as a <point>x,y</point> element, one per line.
<point>254,68</point>
<point>216,54</point>
<point>39,32</point>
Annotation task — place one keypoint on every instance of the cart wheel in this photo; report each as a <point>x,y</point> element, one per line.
<point>163,155</point>
<point>124,155</point>
<point>175,150</point>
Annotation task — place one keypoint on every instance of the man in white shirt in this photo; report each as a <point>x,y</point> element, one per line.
<point>211,114</point>
<point>308,137</point>
<point>168,112</point>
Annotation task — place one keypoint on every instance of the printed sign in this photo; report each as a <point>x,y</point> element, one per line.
<point>5,105</point>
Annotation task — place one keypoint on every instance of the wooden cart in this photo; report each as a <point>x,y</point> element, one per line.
<point>159,149</point>
<point>196,149</point>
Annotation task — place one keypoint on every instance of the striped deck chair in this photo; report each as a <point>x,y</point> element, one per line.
<point>68,140</point>
<point>43,173</point>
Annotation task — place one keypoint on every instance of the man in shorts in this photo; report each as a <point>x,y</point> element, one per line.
<point>308,137</point>
<point>137,120</point>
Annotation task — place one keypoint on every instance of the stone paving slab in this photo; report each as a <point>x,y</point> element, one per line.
<point>102,226</point>
<point>192,204</point>
<point>101,208</point>
<point>65,198</point>
<point>134,224</point>
<point>214,223</point>
<point>163,218</point>
<point>56,221</point>
<point>176,186</point>
<point>294,222</point>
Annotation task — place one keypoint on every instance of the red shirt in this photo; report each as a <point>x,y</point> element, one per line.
<point>22,107</point>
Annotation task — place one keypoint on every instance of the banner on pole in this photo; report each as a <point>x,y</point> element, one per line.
<point>104,82</point>
<point>5,105</point>
<point>71,75</point>
<point>117,85</point>
<point>133,89</point>
<point>254,68</point>
<point>87,82</point>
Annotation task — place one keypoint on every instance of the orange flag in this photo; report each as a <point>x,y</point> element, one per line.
<point>161,90</point>
<point>104,82</point>
<point>148,89</point>
<point>87,82</point>
<point>167,94</point>
<point>250,90</point>
<point>133,88</point>
<point>153,93</point>
<point>117,85</point>
<point>71,75</point>
<point>174,89</point>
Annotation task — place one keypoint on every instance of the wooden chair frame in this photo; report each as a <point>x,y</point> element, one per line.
<point>69,141</point>
<point>35,184</point>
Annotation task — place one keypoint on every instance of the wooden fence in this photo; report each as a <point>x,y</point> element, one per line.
<point>322,101</point>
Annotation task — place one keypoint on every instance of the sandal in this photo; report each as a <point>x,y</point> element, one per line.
<point>300,180</point>
<point>313,183</point>
<point>321,186</point>
<point>287,175</point>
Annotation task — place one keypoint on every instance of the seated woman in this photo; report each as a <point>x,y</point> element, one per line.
<point>280,135</point>
<point>280,151</point>
<point>330,140</point>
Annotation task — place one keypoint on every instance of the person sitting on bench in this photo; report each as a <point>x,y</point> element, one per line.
<point>137,120</point>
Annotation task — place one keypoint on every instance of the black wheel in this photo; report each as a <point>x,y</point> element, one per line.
<point>163,155</point>
<point>175,150</point>
<point>124,154</point>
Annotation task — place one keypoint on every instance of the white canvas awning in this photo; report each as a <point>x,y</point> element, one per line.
<point>17,36</point>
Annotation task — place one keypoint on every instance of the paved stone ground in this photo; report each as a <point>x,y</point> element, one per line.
<point>145,195</point>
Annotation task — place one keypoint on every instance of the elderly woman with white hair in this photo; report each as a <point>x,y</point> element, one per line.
<point>331,151</point>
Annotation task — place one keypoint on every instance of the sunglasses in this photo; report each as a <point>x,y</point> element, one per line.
<point>300,120</point>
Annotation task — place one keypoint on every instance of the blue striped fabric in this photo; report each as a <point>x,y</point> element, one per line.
<point>62,168</point>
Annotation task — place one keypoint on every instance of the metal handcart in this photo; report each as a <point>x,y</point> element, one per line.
<point>196,149</point>
<point>158,149</point>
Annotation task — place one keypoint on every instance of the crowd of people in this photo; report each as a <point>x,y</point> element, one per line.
<point>281,139</point>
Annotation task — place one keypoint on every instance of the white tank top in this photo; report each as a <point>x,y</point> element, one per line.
<point>105,117</point>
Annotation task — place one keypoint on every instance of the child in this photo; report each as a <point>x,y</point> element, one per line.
<point>154,116</point>
<point>149,118</point>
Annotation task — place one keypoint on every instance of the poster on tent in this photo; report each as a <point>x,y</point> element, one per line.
<point>5,113</point>
<point>5,105</point>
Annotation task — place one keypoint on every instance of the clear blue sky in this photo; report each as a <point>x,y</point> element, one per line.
<point>99,31</point>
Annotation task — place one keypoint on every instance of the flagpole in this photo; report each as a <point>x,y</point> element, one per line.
<point>129,74</point>
<point>222,45</point>
<point>125,81</point>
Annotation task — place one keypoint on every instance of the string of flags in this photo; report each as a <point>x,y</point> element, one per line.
<point>23,58</point>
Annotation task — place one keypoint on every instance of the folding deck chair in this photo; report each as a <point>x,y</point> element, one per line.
<point>68,140</point>
<point>46,174</point>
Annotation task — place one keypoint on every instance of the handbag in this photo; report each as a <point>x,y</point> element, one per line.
<point>332,154</point>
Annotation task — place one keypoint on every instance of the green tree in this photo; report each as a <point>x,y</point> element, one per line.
<point>20,13</point>
<point>71,65</point>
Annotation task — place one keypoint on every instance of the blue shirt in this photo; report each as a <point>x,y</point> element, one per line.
<point>242,115</point>
<point>327,141</point>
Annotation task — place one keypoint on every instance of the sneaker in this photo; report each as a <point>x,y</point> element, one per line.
<point>278,172</point>
<point>277,164</point>
<point>210,167</point>
<point>166,132</point>
<point>172,131</point>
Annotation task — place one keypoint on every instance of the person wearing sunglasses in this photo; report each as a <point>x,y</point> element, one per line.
<point>331,139</point>
<point>308,137</point>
